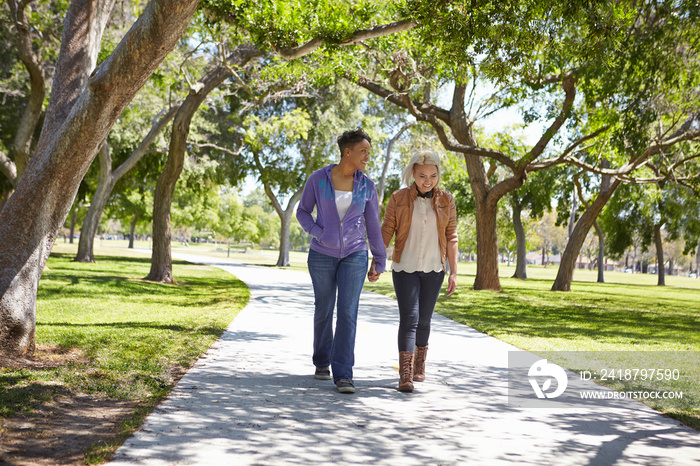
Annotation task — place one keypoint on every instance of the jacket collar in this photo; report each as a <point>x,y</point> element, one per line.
<point>416,194</point>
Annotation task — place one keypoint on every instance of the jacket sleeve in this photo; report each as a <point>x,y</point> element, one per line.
<point>306,207</point>
<point>451,229</point>
<point>389,223</point>
<point>374,231</point>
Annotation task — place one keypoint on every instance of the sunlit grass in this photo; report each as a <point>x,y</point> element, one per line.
<point>628,313</point>
<point>133,339</point>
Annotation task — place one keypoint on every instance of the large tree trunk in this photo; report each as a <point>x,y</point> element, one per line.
<point>565,274</point>
<point>601,252</point>
<point>486,247</point>
<point>161,259</point>
<point>658,243</point>
<point>85,102</point>
<point>521,252</point>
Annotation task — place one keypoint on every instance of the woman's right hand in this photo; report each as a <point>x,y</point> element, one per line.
<point>373,275</point>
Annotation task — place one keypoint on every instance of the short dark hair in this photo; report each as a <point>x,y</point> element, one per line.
<point>350,138</point>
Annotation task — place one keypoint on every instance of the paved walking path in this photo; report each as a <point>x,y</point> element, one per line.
<point>252,399</point>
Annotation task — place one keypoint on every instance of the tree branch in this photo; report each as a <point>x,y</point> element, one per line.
<point>7,167</point>
<point>222,149</point>
<point>569,86</point>
<point>397,99</point>
<point>565,156</point>
<point>290,53</point>
<point>157,126</point>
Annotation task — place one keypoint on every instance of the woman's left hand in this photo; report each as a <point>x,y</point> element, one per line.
<point>451,284</point>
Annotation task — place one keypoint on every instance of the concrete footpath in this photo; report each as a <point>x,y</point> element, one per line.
<point>252,399</point>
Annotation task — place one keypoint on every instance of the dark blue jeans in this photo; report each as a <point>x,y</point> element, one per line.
<point>416,293</point>
<point>344,278</point>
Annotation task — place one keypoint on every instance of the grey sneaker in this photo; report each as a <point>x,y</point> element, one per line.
<point>345,386</point>
<point>322,373</point>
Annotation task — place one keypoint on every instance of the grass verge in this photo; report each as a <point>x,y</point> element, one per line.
<point>605,318</point>
<point>120,337</point>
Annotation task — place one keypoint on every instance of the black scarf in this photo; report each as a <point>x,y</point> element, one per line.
<point>428,195</point>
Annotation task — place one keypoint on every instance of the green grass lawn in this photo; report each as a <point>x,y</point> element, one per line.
<point>628,313</point>
<point>133,338</point>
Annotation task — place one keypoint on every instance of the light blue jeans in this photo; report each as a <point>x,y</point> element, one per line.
<point>342,277</point>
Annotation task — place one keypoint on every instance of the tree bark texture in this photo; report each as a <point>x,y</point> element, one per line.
<point>107,182</point>
<point>659,244</point>
<point>161,258</point>
<point>99,200</point>
<point>565,273</point>
<point>283,257</point>
<point>521,249</point>
<point>37,81</point>
<point>82,108</point>
<point>601,252</point>
<point>132,231</point>
<point>73,222</point>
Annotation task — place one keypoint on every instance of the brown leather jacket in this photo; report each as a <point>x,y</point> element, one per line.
<point>399,213</point>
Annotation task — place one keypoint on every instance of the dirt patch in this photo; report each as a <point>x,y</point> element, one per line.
<point>60,431</point>
<point>45,357</point>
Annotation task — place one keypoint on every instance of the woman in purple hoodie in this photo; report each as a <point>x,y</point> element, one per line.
<point>347,216</point>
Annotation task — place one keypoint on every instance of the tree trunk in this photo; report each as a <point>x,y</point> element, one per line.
<point>107,182</point>
<point>161,259</point>
<point>73,222</point>
<point>486,248</point>
<point>22,141</point>
<point>572,215</point>
<point>658,242</point>
<point>99,200</point>
<point>565,274</point>
<point>387,160</point>
<point>286,221</point>
<point>132,231</point>
<point>82,108</point>
<point>521,252</point>
<point>601,252</point>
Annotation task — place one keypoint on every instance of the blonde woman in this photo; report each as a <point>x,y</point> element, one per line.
<point>423,219</point>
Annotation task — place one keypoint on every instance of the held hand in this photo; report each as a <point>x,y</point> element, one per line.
<point>373,275</point>
<point>451,284</point>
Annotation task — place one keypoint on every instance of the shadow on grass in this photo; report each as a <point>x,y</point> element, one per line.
<point>17,394</point>
<point>531,312</point>
<point>207,330</point>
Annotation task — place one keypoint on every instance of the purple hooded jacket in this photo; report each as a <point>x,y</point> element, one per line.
<point>330,235</point>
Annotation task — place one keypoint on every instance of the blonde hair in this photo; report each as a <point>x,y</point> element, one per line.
<point>422,157</point>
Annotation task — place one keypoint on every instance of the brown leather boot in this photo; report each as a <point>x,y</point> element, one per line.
<point>419,363</point>
<point>405,371</point>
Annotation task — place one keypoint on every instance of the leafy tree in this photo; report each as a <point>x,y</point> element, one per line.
<point>270,25</point>
<point>32,31</point>
<point>85,102</point>
<point>279,168</point>
<point>640,214</point>
<point>525,50</point>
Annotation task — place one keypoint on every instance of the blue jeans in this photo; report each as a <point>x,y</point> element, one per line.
<point>344,277</point>
<point>416,293</point>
